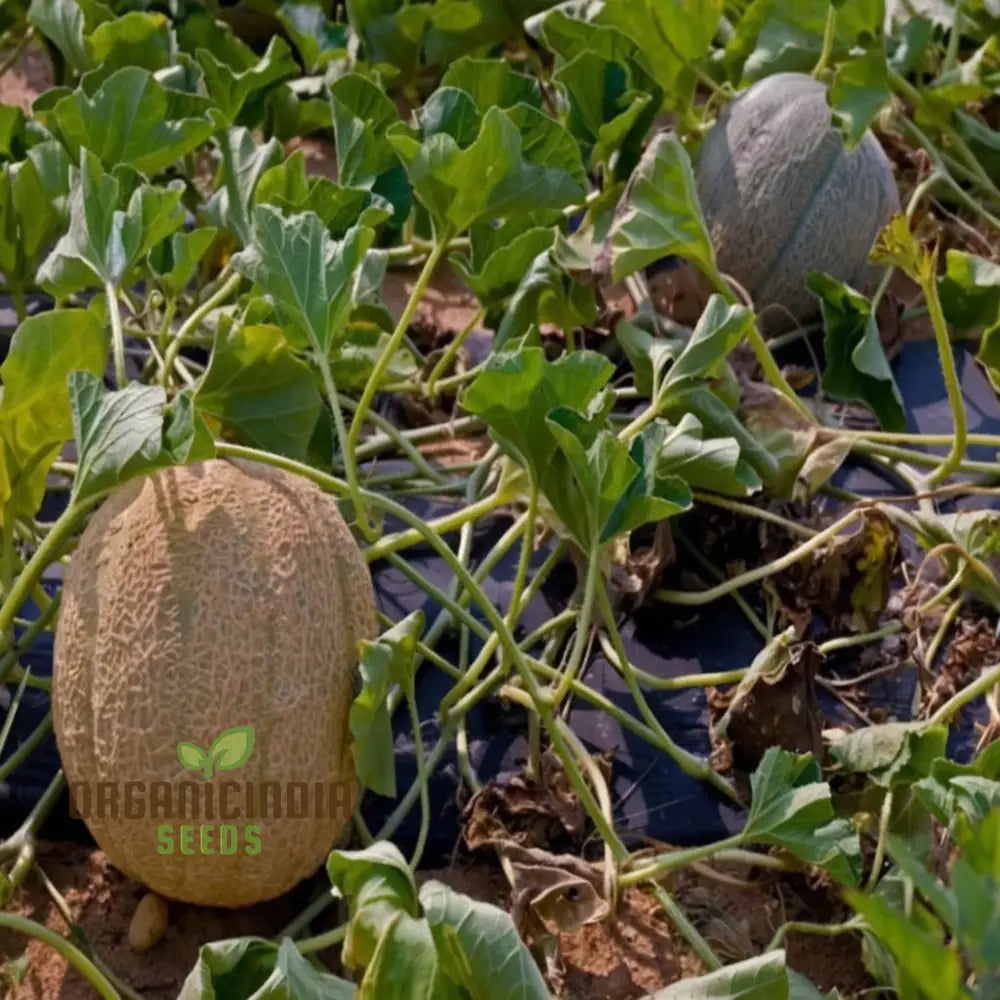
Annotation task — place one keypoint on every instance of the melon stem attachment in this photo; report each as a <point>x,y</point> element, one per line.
<point>382,365</point>
<point>829,38</point>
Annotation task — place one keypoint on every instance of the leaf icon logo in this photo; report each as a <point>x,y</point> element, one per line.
<point>229,750</point>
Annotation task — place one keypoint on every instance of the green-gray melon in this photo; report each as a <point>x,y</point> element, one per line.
<point>782,196</point>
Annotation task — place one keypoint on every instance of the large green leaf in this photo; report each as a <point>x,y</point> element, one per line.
<point>491,177</point>
<point>856,365</point>
<point>516,391</point>
<point>107,236</point>
<point>659,214</point>
<point>128,433</point>
<point>673,36</point>
<point>704,463</point>
<point>763,977</point>
<point>362,117</point>
<point>306,272</point>
<point>480,946</point>
<point>893,754</point>
<point>128,121</point>
<point>288,186</point>
<point>229,89</point>
<point>791,808</point>
<point>859,91</point>
<point>599,487</point>
<point>35,415</point>
<point>258,388</point>
<point>244,163</point>
<point>384,662</point>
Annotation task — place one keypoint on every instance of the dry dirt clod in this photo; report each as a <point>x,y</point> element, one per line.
<point>148,923</point>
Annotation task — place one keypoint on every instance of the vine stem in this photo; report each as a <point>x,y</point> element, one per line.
<point>194,319</point>
<point>451,352</point>
<point>441,526</point>
<point>80,963</point>
<point>829,37</point>
<point>46,553</point>
<point>950,372</point>
<point>698,597</point>
<point>987,680</point>
<point>117,335</point>
<point>382,364</point>
<point>687,762</point>
<point>582,637</point>
<point>678,859</point>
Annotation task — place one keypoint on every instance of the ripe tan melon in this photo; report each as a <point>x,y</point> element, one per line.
<point>202,598</point>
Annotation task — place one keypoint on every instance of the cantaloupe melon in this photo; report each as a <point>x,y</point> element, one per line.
<point>202,599</point>
<point>783,196</point>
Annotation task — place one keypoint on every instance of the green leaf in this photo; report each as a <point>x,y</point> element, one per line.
<point>492,83</point>
<point>856,365</point>
<point>934,968</point>
<point>672,37</point>
<point>491,177</point>
<point>480,946</point>
<point>229,90</point>
<point>362,117</point>
<point>35,414</point>
<point>123,434</point>
<point>174,262</point>
<point>708,464</point>
<point>237,967</point>
<point>104,240</point>
<point>791,808</point>
<point>601,488</point>
<point>290,188</point>
<point>501,272</point>
<point>719,329</point>
<point>232,748</point>
<point>296,978</point>
<point>659,214</point>
<point>384,662</point>
<point>64,23</point>
<point>191,756</point>
<point>244,164</point>
<point>318,40</point>
<point>774,37</point>
<point>136,38</point>
<point>763,977</point>
<point>859,91</point>
<point>307,273</point>
<point>256,387</point>
<point>128,121</point>
<point>517,389</point>
<point>970,291</point>
<point>720,420</point>
<point>547,293</point>
<point>405,964</point>
<point>893,754</point>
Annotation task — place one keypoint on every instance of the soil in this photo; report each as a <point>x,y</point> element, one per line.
<point>622,959</point>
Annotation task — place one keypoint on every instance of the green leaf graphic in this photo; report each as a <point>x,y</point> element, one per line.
<point>232,748</point>
<point>191,756</point>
